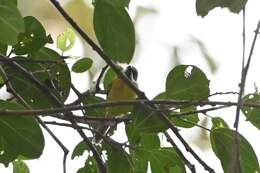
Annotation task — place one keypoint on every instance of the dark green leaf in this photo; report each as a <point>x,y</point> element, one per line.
<point>32,39</point>
<point>79,149</point>
<point>109,77</point>
<point>82,65</point>
<point>115,31</point>
<point>19,136</point>
<point>118,161</point>
<point>252,114</point>
<point>66,40</point>
<point>185,121</point>
<point>223,144</point>
<point>118,3</point>
<point>59,72</point>
<point>149,141</point>
<point>204,6</point>
<point>3,49</point>
<point>90,166</point>
<point>218,122</point>
<point>11,22</point>
<point>161,160</point>
<point>144,121</point>
<point>187,82</point>
<point>20,167</point>
<point>94,112</point>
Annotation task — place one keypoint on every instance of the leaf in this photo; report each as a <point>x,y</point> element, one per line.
<point>3,49</point>
<point>115,31</point>
<point>19,136</point>
<point>55,76</point>
<point>118,160</point>
<point>149,141</point>
<point>82,65</point>
<point>252,114</point>
<point>98,112</point>
<point>161,160</point>
<point>109,77</point>
<point>118,3</point>
<point>66,40</point>
<point>11,22</point>
<point>185,121</point>
<point>79,149</point>
<point>143,121</point>
<point>20,167</point>
<point>223,145</point>
<point>89,167</point>
<point>204,6</point>
<point>32,39</point>
<point>187,82</point>
<point>218,122</point>
<point>59,72</point>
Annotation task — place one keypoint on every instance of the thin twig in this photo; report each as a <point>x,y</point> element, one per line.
<point>186,161</point>
<point>100,77</point>
<point>236,160</point>
<point>48,111</point>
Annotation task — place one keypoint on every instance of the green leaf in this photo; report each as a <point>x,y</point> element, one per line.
<point>113,25</point>
<point>98,112</point>
<point>3,49</point>
<point>19,136</point>
<point>11,22</point>
<point>118,3</point>
<point>82,65</point>
<point>20,167</point>
<point>118,160</point>
<point>185,121</point>
<point>109,77</point>
<point>187,82</point>
<point>55,76</point>
<point>32,39</point>
<point>252,114</point>
<point>66,40</point>
<point>89,167</point>
<point>218,122</point>
<point>149,141</point>
<point>161,160</point>
<point>223,144</point>
<point>59,73</point>
<point>204,6</point>
<point>143,121</point>
<point>79,150</point>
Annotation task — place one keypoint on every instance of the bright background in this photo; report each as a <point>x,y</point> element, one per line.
<point>161,26</point>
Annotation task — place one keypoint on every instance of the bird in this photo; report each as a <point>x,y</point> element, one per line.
<point>118,91</point>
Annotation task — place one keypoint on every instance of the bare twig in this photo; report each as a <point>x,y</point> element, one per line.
<point>100,77</point>
<point>236,160</point>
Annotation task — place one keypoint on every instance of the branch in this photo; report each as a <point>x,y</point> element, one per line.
<point>236,160</point>
<point>186,161</point>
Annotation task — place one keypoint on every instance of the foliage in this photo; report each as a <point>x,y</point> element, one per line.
<point>39,81</point>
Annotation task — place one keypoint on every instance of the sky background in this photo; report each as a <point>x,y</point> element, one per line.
<point>173,24</point>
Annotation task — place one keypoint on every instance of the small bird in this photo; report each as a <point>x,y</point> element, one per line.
<point>118,91</point>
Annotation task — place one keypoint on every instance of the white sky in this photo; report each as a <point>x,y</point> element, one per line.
<point>175,22</point>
